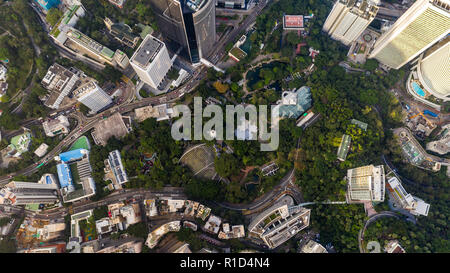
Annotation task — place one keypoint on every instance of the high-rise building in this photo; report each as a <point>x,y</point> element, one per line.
<point>189,23</point>
<point>278,224</point>
<point>21,193</point>
<point>349,18</point>
<point>59,81</point>
<point>433,70</point>
<point>91,95</point>
<point>366,184</point>
<point>151,61</point>
<point>421,26</point>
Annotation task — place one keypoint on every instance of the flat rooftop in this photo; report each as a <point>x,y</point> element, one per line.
<point>293,21</point>
<point>238,53</point>
<point>344,147</point>
<point>115,125</point>
<point>147,51</point>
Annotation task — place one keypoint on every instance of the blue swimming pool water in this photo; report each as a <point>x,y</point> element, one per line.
<point>418,90</point>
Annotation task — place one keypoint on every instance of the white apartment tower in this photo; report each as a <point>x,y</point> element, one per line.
<point>91,95</point>
<point>349,18</point>
<point>421,26</point>
<point>151,61</point>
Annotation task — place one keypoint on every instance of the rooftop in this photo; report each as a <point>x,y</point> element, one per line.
<point>89,43</point>
<point>59,81</point>
<point>147,51</point>
<point>293,21</point>
<point>86,88</point>
<point>64,176</point>
<point>72,155</point>
<point>344,147</point>
<point>192,5</point>
<point>238,53</point>
<point>366,183</point>
<point>360,124</point>
<point>295,102</point>
<point>41,150</point>
<point>115,125</point>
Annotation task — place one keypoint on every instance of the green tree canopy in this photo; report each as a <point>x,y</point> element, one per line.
<point>226,165</point>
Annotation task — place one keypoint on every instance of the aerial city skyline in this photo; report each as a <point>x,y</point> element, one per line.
<point>356,157</point>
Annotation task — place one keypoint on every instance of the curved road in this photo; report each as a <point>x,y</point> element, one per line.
<point>368,222</point>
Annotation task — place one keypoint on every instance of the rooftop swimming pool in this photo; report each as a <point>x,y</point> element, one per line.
<point>417,89</point>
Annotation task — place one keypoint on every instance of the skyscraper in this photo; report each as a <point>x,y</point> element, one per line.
<point>349,18</point>
<point>421,26</point>
<point>151,61</point>
<point>366,183</point>
<point>433,70</point>
<point>21,193</point>
<point>91,95</point>
<point>189,23</point>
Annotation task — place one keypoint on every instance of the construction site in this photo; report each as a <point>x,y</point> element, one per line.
<point>36,232</point>
<point>420,124</point>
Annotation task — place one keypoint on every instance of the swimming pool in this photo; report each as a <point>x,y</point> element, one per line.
<point>418,90</point>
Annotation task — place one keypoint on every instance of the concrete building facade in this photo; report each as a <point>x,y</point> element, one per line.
<point>278,224</point>
<point>189,23</point>
<point>91,95</point>
<point>421,26</point>
<point>349,18</point>
<point>151,61</point>
<point>22,193</point>
<point>432,70</point>
<point>366,183</point>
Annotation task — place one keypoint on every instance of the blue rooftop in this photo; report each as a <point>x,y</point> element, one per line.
<point>64,175</point>
<point>72,155</point>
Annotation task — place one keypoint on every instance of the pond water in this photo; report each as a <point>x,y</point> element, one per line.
<point>253,75</point>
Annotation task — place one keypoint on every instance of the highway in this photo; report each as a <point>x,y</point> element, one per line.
<point>87,123</point>
<point>128,106</point>
<point>219,51</point>
<point>272,195</point>
<point>137,194</point>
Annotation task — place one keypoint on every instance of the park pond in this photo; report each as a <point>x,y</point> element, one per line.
<point>268,75</point>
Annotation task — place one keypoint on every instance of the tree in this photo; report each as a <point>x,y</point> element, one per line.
<point>100,212</point>
<point>187,235</point>
<point>226,165</point>
<point>3,53</point>
<point>203,190</point>
<point>220,87</point>
<point>4,221</point>
<point>84,109</point>
<point>53,16</point>
<point>371,64</point>
<point>139,230</point>
<point>7,246</point>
